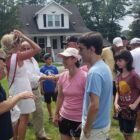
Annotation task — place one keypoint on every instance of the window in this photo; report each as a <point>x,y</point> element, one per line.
<point>41,42</point>
<point>57,20</point>
<point>52,20</point>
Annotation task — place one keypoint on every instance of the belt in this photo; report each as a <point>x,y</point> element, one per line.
<point>35,88</point>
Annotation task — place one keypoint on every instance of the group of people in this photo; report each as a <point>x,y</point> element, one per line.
<point>123,60</point>
<point>83,91</point>
<point>23,75</point>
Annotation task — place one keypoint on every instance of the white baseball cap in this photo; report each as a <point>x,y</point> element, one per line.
<point>135,41</point>
<point>117,41</point>
<point>70,52</point>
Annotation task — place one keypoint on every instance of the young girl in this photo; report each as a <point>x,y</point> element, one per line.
<point>127,97</point>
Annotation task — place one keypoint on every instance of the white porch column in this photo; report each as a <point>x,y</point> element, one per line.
<point>48,42</point>
<point>50,48</point>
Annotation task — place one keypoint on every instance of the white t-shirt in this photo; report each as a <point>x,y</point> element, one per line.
<point>33,72</point>
<point>136,59</point>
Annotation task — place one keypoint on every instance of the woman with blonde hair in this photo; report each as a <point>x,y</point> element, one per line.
<point>17,77</point>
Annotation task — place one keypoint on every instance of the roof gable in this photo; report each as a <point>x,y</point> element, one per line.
<point>51,3</point>
<point>29,25</point>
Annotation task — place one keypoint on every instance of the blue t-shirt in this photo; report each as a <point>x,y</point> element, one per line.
<point>99,82</point>
<point>6,131</point>
<point>48,85</point>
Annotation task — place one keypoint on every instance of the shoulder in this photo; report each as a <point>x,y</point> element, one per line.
<point>82,73</point>
<point>53,66</point>
<point>106,50</point>
<point>134,73</point>
<point>63,77</point>
<point>42,68</point>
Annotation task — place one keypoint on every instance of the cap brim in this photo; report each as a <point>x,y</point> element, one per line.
<point>119,45</point>
<point>64,54</point>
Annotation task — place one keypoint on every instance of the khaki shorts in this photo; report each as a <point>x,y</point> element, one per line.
<point>97,134</point>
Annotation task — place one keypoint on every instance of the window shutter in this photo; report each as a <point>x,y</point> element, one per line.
<point>44,19</point>
<point>35,39</point>
<point>61,41</point>
<point>62,20</point>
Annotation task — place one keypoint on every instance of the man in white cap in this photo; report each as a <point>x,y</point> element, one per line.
<point>135,46</point>
<point>108,54</point>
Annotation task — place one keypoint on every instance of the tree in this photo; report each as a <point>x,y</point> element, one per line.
<point>105,16</point>
<point>8,16</point>
<point>31,2</point>
<point>102,15</point>
<point>135,26</point>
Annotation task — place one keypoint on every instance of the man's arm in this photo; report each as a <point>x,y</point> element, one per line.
<point>92,112</point>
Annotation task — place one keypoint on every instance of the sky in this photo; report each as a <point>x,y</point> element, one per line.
<point>127,20</point>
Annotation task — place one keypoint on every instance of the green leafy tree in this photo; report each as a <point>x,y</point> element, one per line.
<point>8,16</point>
<point>135,26</point>
<point>102,15</point>
<point>31,2</point>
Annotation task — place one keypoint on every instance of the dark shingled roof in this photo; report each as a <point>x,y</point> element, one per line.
<point>29,26</point>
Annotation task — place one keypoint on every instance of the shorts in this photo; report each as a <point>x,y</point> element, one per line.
<point>69,128</point>
<point>126,126</point>
<point>49,96</point>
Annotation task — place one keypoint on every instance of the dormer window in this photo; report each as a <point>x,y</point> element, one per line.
<point>52,21</point>
<point>57,20</point>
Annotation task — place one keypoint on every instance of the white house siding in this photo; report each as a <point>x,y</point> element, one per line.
<point>52,8</point>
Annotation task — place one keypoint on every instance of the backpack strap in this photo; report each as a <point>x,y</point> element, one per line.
<point>12,66</point>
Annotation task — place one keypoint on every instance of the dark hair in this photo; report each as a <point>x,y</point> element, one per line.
<point>92,39</point>
<point>46,56</point>
<point>125,55</point>
<point>70,39</point>
<point>77,64</point>
<point>123,38</point>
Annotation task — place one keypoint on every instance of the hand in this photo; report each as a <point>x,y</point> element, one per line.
<point>117,108</point>
<point>86,132</point>
<point>132,106</point>
<point>51,77</point>
<point>26,95</point>
<point>18,33</point>
<point>56,119</point>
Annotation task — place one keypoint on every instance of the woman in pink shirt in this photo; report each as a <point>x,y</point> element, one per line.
<point>71,88</point>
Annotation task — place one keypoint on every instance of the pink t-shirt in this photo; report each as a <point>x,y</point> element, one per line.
<point>73,91</point>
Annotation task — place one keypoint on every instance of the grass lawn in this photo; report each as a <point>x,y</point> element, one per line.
<point>53,131</point>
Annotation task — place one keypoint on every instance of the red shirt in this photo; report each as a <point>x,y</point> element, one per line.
<point>128,88</point>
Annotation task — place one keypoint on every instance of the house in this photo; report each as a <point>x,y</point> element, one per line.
<point>50,25</point>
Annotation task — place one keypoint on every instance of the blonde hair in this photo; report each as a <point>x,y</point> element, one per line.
<point>2,54</point>
<point>7,43</point>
